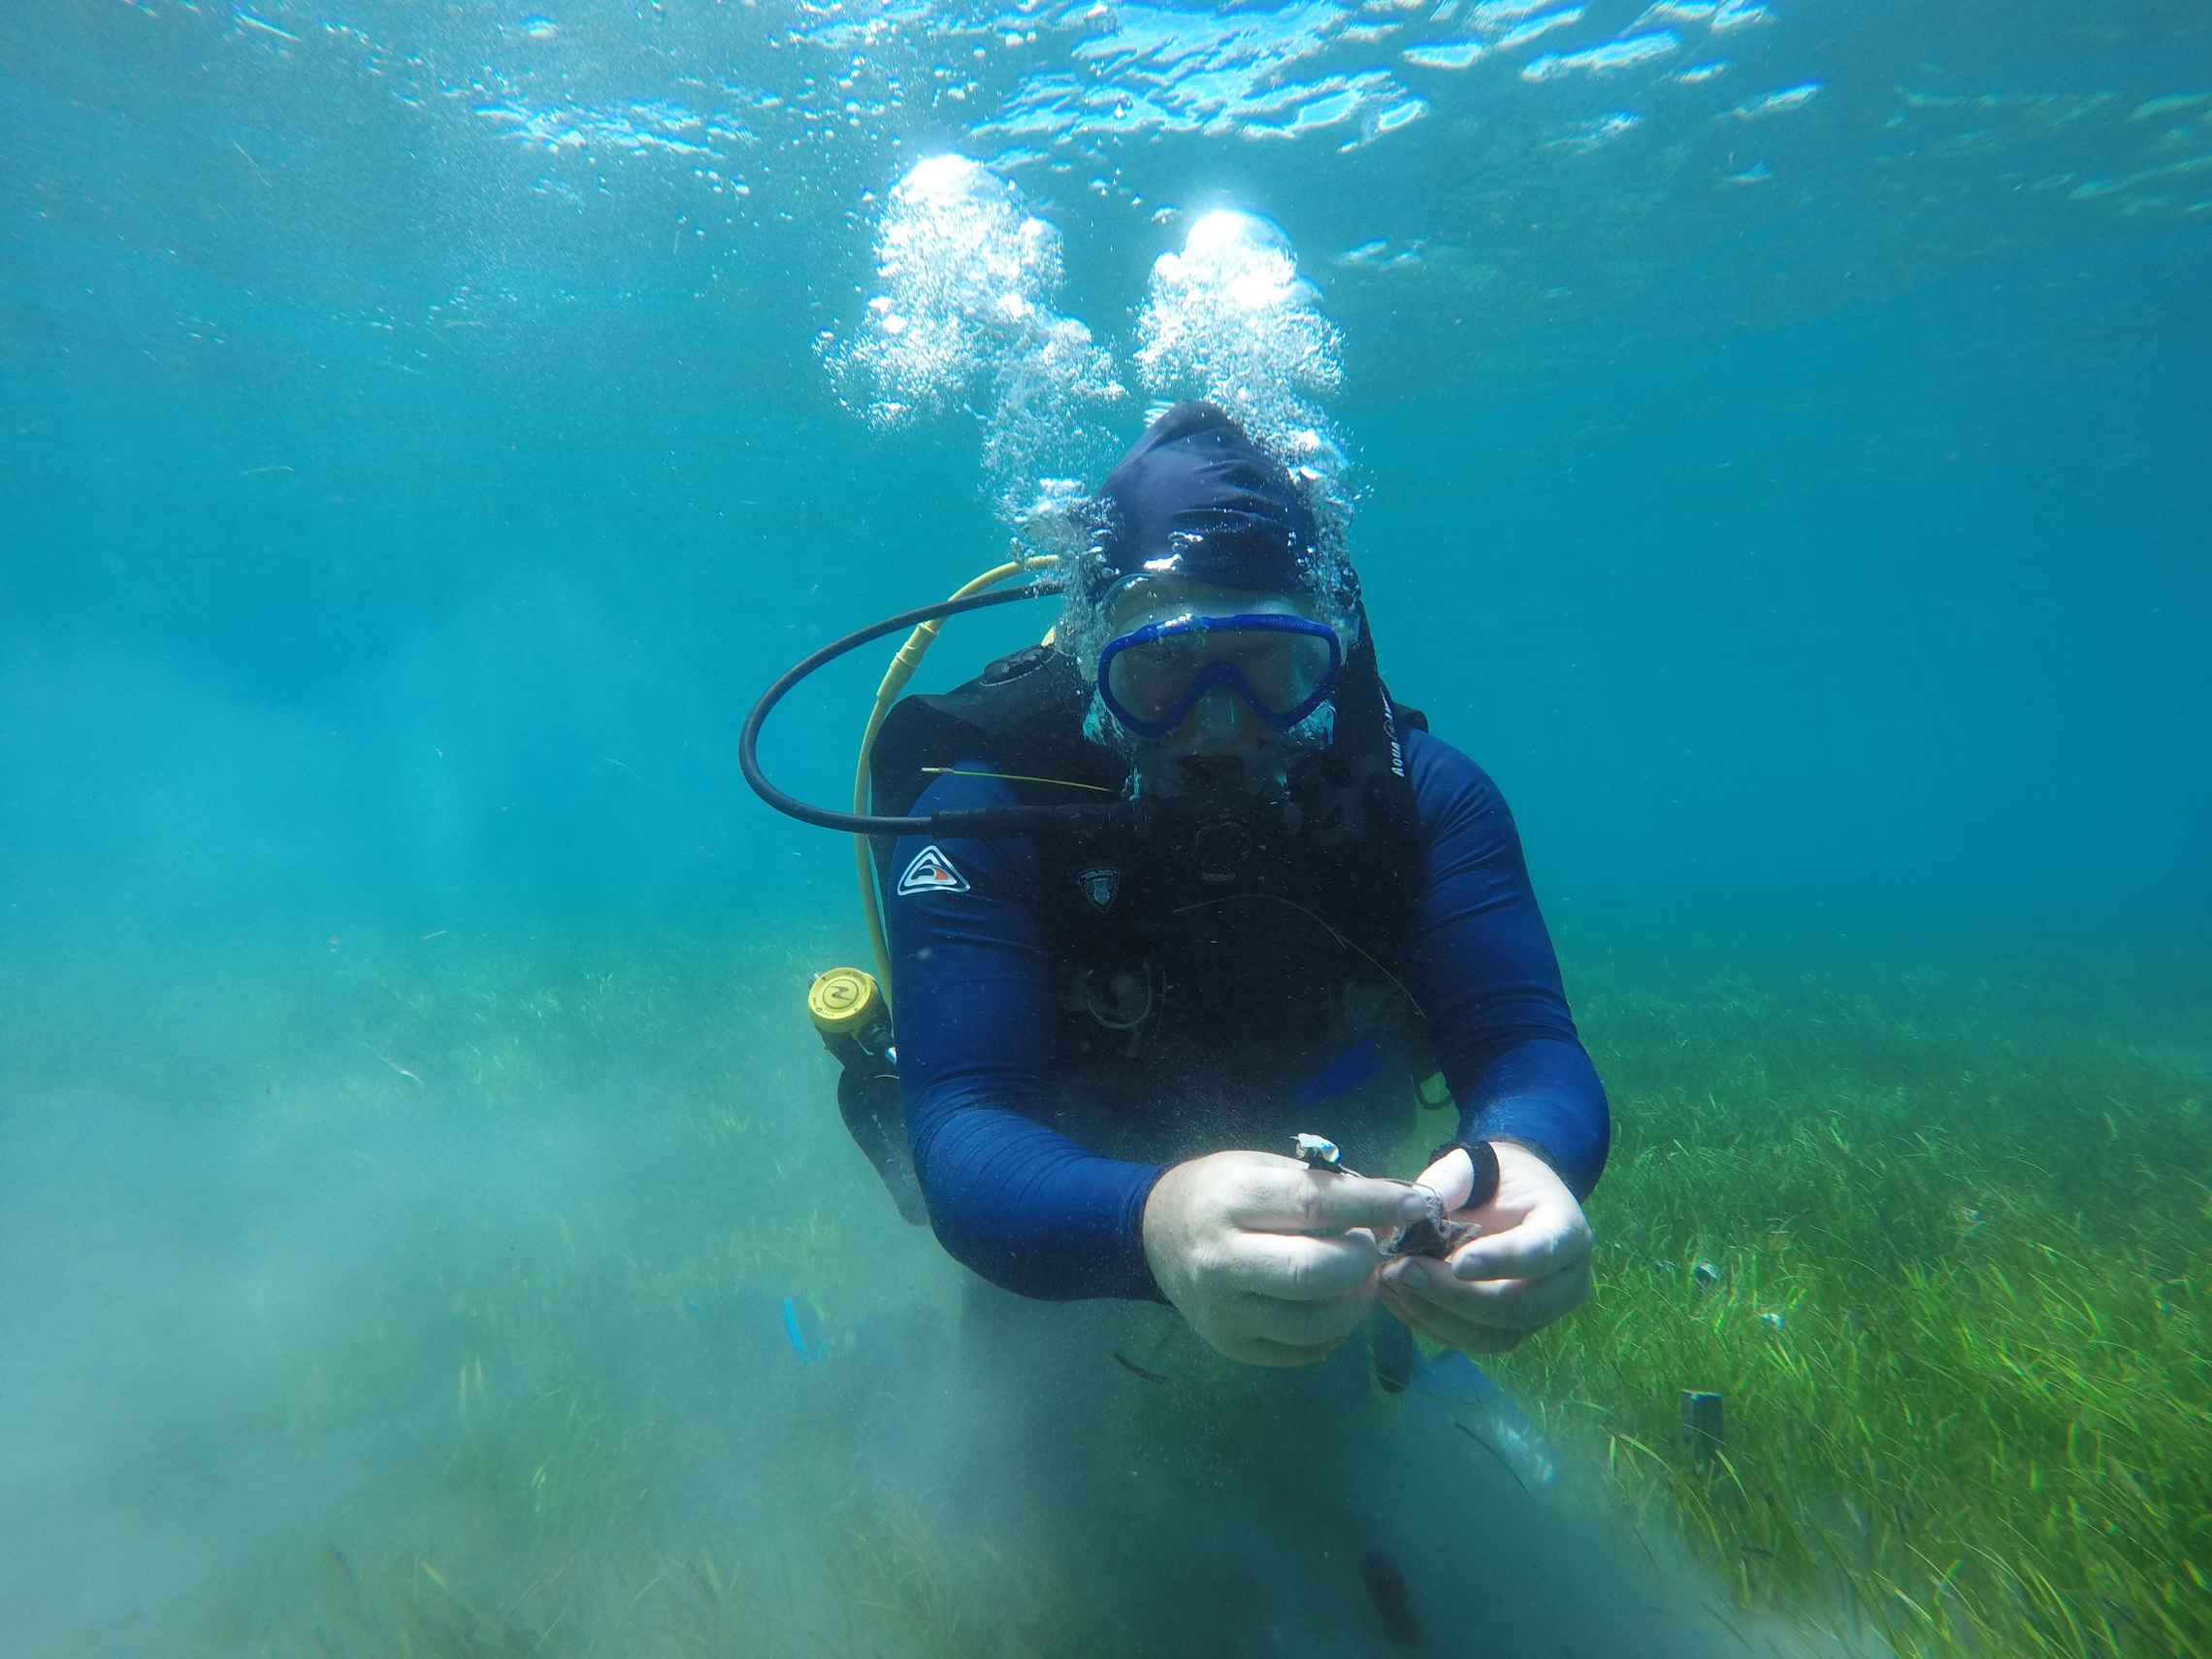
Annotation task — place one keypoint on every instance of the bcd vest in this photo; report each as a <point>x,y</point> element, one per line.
<point>1215,971</point>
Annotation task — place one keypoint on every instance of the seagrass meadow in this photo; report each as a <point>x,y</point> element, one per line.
<point>476,1323</point>
<point>1960,1220</point>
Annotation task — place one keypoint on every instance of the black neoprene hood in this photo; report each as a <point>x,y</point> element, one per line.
<point>1196,497</point>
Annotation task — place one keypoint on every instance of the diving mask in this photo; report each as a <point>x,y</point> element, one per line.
<point>1282,666</point>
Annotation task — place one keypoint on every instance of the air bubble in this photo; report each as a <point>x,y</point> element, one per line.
<point>967,308</point>
<point>1230,320</point>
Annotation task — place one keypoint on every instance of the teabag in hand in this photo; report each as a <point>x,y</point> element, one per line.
<point>1433,1235</point>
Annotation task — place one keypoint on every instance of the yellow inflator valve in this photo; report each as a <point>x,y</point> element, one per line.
<point>849,1012</point>
<point>844,1002</point>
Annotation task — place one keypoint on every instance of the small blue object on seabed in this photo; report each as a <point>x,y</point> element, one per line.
<point>803,1326</point>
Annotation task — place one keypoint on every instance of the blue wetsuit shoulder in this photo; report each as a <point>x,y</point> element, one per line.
<point>1481,964</point>
<point>975,994</point>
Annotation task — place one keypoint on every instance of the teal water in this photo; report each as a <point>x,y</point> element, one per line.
<point>1778,437</point>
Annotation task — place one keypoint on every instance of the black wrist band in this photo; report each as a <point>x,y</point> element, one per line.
<point>1485,1157</point>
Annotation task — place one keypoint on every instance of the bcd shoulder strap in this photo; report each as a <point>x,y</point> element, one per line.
<point>1024,713</point>
<point>1359,853</point>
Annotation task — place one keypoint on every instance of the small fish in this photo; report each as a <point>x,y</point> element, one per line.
<point>803,1329</point>
<point>1706,1276</point>
<point>1386,1588</point>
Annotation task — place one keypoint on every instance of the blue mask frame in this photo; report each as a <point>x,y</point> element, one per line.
<point>1219,673</point>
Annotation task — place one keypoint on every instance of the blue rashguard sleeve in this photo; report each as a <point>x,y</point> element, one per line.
<point>975,999</point>
<point>1481,966</point>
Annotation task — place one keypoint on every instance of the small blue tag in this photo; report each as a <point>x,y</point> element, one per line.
<point>795,1330</point>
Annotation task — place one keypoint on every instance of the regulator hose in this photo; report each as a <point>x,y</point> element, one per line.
<point>982,822</point>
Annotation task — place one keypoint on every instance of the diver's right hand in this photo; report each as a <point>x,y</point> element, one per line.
<point>1271,1262</point>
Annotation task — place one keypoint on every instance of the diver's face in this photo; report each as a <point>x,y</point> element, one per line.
<point>1220,723</point>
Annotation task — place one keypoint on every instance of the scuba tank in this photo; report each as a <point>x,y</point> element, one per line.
<point>847,1008</point>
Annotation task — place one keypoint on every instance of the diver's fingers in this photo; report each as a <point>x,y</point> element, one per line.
<point>1502,1303</point>
<point>1524,1304</point>
<point>1259,1350</point>
<point>1299,1268</point>
<point>1439,1327</point>
<point>1451,1178</point>
<point>1549,1241</point>
<point>1303,1324</point>
<point>1280,1194</point>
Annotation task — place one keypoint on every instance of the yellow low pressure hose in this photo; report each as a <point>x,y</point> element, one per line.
<point>894,680</point>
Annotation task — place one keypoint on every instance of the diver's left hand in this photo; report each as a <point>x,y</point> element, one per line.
<point>1530,1264</point>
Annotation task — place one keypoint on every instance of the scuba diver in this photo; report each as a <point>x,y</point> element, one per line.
<point>1307,909</point>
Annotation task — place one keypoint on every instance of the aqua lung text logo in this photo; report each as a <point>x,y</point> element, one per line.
<point>931,872</point>
<point>1390,731</point>
<point>1099,886</point>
